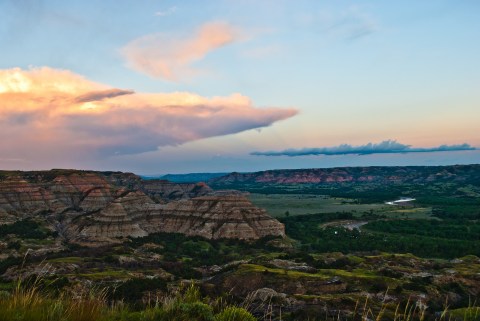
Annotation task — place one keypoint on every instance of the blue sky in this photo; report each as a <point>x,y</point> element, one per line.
<point>354,72</point>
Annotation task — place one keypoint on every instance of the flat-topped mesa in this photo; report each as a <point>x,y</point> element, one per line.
<point>215,217</point>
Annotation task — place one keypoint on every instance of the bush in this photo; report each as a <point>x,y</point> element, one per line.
<point>26,229</point>
<point>234,314</point>
<point>181,311</point>
<point>133,289</point>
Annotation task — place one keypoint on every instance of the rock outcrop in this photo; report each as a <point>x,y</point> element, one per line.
<point>97,208</point>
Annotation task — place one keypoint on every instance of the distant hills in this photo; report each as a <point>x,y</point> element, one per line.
<point>365,174</point>
<point>375,174</point>
<point>187,178</point>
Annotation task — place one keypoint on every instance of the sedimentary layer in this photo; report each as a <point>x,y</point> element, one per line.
<point>97,208</point>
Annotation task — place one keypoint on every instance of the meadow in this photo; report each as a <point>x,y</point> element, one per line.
<point>281,205</point>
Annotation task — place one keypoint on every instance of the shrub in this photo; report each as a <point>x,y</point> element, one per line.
<point>181,311</point>
<point>234,314</point>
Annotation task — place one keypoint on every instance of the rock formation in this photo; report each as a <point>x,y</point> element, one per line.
<point>212,217</point>
<point>97,208</point>
<point>215,217</point>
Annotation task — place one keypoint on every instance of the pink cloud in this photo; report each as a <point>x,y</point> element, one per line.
<point>170,57</point>
<point>49,113</point>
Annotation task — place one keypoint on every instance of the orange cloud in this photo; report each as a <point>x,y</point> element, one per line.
<point>162,56</point>
<point>57,113</point>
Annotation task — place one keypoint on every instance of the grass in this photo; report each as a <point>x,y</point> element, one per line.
<point>277,204</point>
<point>246,269</point>
<point>71,259</point>
<point>322,274</point>
<point>411,213</point>
<point>113,274</point>
<point>6,286</point>
<point>466,314</point>
<point>31,303</point>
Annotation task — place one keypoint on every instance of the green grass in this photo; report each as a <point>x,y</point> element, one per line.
<point>33,304</point>
<point>186,303</point>
<point>466,314</point>
<point>410,213</point>
<point>277,204</point>
<point>6,286</point>
<point>246,269</point>
<point>71,259</point>
<point>323,274</point>
<point>108,274</point>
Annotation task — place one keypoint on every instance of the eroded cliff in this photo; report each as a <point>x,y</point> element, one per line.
<point>97,208</point>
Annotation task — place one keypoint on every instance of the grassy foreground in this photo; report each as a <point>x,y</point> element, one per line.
<point>32,304</point>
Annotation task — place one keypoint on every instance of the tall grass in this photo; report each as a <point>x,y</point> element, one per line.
<point>31,303</point>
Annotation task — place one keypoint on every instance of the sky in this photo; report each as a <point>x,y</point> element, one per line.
<point>156,87</point>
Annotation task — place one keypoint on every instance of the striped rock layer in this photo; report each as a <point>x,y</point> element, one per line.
<point>98,208</point>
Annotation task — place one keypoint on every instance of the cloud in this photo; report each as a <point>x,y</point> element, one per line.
<point>49,113</point>
<point>102,94</point>
<point>167,12</point>
<point>170,56</point>
<point>385,147</point>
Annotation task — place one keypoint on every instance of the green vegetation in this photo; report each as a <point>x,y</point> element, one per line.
<point>8,262</point>
<point>425,238</point>
<point>446,229</point>
<point>34,304</point>
<point>278,204</point>
<point>443,221</point>
<point>73,259</point>
<point>466,314</point>
<point>181,254</point>
<point>26,229</point>
<point>447,198</point>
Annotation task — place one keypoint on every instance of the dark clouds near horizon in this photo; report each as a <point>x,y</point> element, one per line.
<point>385,147</point>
